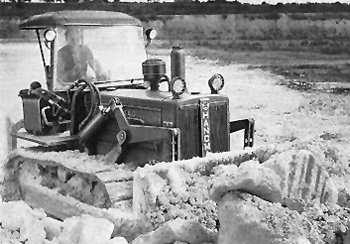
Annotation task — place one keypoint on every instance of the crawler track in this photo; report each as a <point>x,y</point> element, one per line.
<point>33,175</point>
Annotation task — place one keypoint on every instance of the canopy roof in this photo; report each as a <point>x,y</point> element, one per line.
<point>78,18</point>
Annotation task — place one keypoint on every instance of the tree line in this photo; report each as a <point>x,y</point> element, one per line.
<point>154,10</point>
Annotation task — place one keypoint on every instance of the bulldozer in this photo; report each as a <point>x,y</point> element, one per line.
<point>103,109</point>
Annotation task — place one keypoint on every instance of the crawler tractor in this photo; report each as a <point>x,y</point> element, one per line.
<point>111,113</point>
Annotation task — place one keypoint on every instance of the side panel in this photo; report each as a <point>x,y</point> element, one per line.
<point>143,115</point>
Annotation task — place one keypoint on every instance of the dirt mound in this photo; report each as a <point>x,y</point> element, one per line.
<point>286,180</point>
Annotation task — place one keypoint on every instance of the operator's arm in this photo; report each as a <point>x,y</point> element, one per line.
<point>100,73</point>
<point>95,65</point>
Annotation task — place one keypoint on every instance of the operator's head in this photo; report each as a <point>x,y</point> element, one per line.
<point>73,36</point>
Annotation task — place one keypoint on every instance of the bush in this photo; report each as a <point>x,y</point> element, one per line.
<point>247,27</point>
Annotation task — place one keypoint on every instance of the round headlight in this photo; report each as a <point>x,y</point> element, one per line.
<point>178,86</point>
<point>151,33</point>
<point>216,83</point>
<point>50,35</point>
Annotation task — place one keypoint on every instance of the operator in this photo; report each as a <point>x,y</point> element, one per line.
<point>74,59</point>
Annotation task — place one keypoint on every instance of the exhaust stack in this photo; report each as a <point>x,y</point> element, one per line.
<point>177,57</point>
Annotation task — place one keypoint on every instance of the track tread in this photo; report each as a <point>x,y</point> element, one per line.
<point>117,179</point>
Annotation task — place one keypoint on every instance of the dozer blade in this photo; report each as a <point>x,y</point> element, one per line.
<point>66,183</point>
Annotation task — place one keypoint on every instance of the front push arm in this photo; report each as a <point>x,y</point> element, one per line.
<point>128,133</point>
<point>248,126</point>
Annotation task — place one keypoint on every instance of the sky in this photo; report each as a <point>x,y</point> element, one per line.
<point>242,1</point>
<point>260,1</point>
<point>293,1</point>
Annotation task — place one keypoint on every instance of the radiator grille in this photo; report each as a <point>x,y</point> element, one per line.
<point>189,124</point>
